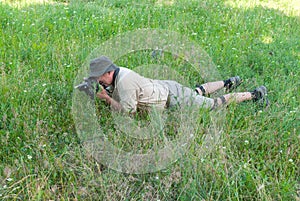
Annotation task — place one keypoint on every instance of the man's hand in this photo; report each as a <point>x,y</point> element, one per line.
<point>102,94</point>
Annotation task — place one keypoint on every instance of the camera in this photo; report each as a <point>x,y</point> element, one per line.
<point>89,86</point>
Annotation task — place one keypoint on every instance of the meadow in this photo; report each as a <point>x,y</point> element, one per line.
<point>45,43</point>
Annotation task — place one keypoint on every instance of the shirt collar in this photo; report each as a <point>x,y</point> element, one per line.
<point>116,72</point>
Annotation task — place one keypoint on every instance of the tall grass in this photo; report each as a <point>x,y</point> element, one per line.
<point>42,47</point>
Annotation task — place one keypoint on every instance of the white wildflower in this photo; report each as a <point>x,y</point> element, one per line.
<point>9,179</point>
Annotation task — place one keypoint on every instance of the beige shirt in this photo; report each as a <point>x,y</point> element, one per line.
<point>134,91</point>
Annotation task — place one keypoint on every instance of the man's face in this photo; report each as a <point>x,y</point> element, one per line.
<point>105,79</point>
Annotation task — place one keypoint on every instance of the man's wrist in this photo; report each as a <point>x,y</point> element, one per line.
<point>108,99</point>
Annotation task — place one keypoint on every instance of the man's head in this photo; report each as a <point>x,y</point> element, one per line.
<point>101,69</point>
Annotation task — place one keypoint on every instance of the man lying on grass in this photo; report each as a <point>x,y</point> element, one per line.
<point>131,92</point>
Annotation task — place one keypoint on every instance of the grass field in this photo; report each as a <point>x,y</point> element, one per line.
<point>44,44</point>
